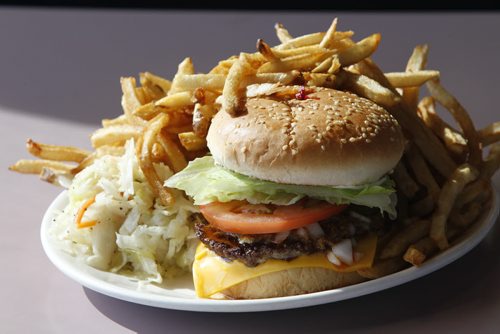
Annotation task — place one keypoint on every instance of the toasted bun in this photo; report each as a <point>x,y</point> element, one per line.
<point>292,282</point>
<point>331,138</point>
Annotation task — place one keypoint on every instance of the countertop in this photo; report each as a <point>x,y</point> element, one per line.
<point>60,74</point>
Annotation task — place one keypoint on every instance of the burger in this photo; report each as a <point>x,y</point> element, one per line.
<point>295,193</point>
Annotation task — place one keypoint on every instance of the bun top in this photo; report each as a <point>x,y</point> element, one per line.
<point>331,137</point>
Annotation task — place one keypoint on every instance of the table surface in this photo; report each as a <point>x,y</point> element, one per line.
<point>60,71</point>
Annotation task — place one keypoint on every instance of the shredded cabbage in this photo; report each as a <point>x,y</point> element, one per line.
<point>206,182</point>
<point>135,234</point>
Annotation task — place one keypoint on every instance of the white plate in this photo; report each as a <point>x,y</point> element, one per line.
<point>180,294</point>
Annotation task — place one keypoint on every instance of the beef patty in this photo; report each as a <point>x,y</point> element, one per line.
<point>257,248</point>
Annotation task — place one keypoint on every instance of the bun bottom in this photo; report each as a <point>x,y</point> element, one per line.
<point>292,282</point>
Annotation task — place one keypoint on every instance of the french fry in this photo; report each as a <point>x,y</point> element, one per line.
<point>422,207</point>
<point>462,118</point>
<point>265,50</point>
<point>202,115</point>
<point>466,216</point>
<point>233,94</point>
<point>55,152</point>
<point>36,166</point>
<point>359,51</point>
<point>320,80</point>
<point>130,100</point>
<point>302,62</point>
<point>368,88</point>
<point>211,81</point>
<point>282,33</point>
<point>223,66</point>
<point>463,175</point>
<point>383,268</point>
<point>115,135</point>
<point>192,142</point>
<point>323,66</point>
<point>176,159</point>
<point>490,134</point>
<point>404,182</point>
<point>430,146</point>
<point>422,172</point>
<point>329,37</point>
<point>144,155</point>
<point>302,51</point>
<point>417,62</point>
<point>418,252</point>
<point>411,79</point>
<point>148,79</point>
<point>185,67</point>
<point>120,120</point>
<point>300,41</point>
<point>453,140</point>
<point>176,100</point>
<point>408,235</point>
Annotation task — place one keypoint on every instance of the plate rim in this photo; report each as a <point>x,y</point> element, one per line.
<point>86,279</point>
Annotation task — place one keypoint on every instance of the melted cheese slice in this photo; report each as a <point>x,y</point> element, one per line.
<point>211,274</point>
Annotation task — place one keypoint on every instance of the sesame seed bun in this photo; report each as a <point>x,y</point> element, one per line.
<point>330,138</point>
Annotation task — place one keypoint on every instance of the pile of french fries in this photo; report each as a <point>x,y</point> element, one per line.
<point>443,179</point>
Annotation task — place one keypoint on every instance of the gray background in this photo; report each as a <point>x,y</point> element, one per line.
<point>59,76</point>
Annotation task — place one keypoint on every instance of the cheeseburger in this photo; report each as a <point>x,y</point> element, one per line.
<point>295,192</point>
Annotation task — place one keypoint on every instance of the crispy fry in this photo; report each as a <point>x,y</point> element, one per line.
<point>359,51</point>
<point>467,215</point>
<point>130,100</point>
<point>411,79</point>
<point>463,175</point>
<point>233,95</point>
<point>408,235</point>
<point>300,41</point>
<point>115,135</point>
<point>462,118</point>
<point>185,67</point>
<point>422,207</point>
<point>189,82</point>
<point>430,146</point>
<point>192,142</point>
<point>329,35</point>
<point>176,159</point>
<point>417,62</point>
<point>383,268</point>
<point>144,154</point>
<point>368,88</point>
<point>148,79</point>
<point>36,166</point>
<point>417,253</point>
<point>202,116</point>
<point>282,33</point>
<point>490,134</point>
<point>302,62</point>
<point>265,50</point>
<point>404,182</point>
<point>55,152</point>
<point>453,140</point>
<point>422,172</point>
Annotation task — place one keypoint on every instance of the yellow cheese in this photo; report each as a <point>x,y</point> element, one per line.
<point>211,274</point>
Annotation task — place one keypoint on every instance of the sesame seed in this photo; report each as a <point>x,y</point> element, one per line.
<point>368,140</point>
<point>284,147</point>
<point>343,140</point>
<point>352,140</point>
<point>294,152</point>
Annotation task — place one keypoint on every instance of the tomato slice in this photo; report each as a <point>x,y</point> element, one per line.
<point>243,218</point>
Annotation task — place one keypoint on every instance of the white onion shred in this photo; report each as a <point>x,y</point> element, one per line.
<point>359,216</point>
<point>343,250</point>
<point>333,259</point>
<point>280,237</point>
<point>315,230</point>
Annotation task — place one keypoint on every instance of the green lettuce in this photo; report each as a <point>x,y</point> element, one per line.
<point>206,182</point>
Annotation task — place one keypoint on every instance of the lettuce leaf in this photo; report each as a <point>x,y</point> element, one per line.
<point>206,182</point>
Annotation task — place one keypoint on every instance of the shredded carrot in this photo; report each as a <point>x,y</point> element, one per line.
<point>81,212</point>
